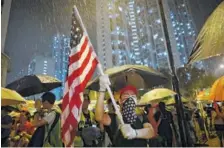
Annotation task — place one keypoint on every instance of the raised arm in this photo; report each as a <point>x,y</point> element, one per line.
<point>100,107</point>
<point>100,116</point>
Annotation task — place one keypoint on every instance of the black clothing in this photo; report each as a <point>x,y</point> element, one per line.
<point>120,141</point>
<point>88,121</point>
<point>112,129</point>
<point>164,129</point>
<point>37,140</point>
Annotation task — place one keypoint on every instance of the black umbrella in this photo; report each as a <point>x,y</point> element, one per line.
<point>34,84</point>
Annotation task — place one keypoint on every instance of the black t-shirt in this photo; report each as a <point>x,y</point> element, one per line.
<point>88,121</point>
<point>112,128</point>
<point>164,128</point>
<point>120,141</point>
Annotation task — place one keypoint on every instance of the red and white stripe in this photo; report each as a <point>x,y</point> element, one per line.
<point>82,64</point>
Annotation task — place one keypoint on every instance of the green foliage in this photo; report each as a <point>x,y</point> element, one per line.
<point>192,80</point>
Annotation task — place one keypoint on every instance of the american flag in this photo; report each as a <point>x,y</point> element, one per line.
<point>82,64</point>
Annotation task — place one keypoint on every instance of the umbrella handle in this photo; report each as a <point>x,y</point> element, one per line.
<point>111,96</point>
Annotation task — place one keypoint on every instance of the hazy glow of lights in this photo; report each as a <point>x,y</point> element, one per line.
<point>162,39</point>
<point>158,21</point>
<point>221,66</point>
<point>120,8</point>
<point>138,11</point>
<point>155,36</point>
<point>151,11</point>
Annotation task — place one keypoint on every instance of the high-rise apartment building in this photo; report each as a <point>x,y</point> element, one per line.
<point>60,54</point>
<point>136,32</point>
<point>41,64</point>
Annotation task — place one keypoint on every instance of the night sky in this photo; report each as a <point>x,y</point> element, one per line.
<point>32,25</point>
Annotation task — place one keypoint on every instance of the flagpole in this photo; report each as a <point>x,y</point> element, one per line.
<point>100,69</point>
<point>175,82</point>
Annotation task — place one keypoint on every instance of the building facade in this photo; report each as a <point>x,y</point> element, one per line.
<point>5,60</point>
<point>60,52</point>
<point>137,36</point>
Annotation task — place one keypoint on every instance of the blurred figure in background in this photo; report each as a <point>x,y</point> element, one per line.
<point>24,130</point>
<point>6,125</point>
<point>37,137</point>
<point>219,122</point>
<point>165,119</point>
<point>150,113</point>
<point>89,133</point>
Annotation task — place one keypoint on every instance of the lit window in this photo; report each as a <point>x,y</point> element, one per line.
<point>158,21</point>
<point>120,8</point>
<point>151,11</point>
<point>155,36</point>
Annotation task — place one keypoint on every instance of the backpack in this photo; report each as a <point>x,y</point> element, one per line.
<point>53,138</point>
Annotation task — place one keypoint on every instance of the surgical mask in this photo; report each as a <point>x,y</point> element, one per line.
<point>128,110</point>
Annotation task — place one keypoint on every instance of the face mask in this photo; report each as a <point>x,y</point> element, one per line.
<point>128,110</point>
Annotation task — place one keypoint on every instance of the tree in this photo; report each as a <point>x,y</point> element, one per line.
<point>192,80</point>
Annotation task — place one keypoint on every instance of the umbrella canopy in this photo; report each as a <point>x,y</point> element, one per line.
<point>10,97</point>
<point>210,40</point>
<point>34,84</point>
<point>136,75</point>
<point>204,95</point>
<point>217,90</point>
<point>156,95</point>
<point>171,101</point>
<point>94,95</point>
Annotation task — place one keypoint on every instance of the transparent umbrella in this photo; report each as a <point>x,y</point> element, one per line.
<point>210,41</point>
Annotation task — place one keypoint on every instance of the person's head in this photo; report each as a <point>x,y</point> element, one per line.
<point>162,106</point>
<point>38,104</point>
<point>24,116</point>
<point>128,101</point>
<point>86,102</point>
<point>48,100</point>
<point>127,93</point>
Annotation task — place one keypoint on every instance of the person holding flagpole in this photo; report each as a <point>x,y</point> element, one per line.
<point>134,132</point>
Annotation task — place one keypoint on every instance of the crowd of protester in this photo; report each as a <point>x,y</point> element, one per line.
<point>156,126</point>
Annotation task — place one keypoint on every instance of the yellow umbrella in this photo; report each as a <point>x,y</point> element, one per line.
<point>14,114</point>
<point>156,95</point>
<point>136,75</point>
<point>203,95</point>
<point>210,41</point>
<point>171,101</point>
<point>94,95</point>
<point>217,90</point>
<point>11,97</point>
<point>58,102</point>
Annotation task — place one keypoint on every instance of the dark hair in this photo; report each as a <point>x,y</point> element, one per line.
<point>147,107</point>
<point>162,105</point>
<point>109,101</point>
<point>49,97</point>
<point>86,95</point>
